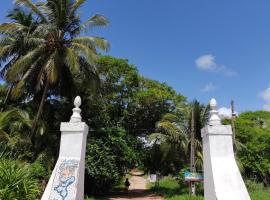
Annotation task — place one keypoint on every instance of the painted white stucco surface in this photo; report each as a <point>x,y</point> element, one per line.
<point>222,178</point>
<point>67,179</point>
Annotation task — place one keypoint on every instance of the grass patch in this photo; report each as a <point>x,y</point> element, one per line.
<point>263,194</point>
<point>185,197</point>
<point>170,189</point>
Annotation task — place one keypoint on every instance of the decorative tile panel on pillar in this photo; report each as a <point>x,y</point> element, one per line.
<point>67,179</point>
<point>222,178</point>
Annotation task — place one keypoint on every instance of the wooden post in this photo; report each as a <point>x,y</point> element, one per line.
<point>233,125</point>
<point>192,188</point>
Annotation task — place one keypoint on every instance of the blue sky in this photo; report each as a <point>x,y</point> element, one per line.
<point>203,49</point>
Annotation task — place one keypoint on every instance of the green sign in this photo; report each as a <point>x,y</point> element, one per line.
<point>193,176</point>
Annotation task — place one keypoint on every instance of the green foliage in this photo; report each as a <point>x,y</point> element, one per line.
<point>165,158</point>
<point>14,132</point>
<point>107,160</point>
<point>253,132</point>
<point>170,188</point>
<point>17,181</point>
<point>170,151</point>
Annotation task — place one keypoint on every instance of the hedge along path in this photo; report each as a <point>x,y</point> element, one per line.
<point>137,191</point>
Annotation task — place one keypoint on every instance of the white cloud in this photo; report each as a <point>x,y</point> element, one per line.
<point>265,95</point>
<point>207,62</point>
<point>209,87</point>
<point>225,113</point>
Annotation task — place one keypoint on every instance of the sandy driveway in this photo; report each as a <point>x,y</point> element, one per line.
<point>137,191</point>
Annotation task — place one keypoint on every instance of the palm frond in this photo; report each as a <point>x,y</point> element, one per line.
<point>7,116</point>
<point>76,5</point>
<point>11,28</point>
<point>51,68</point>
<point>44,29</point>
<point>173,132</point>
<point>95,21</point>
<point>93,42</point>
<point>23,63</point>
<point>17,90</point>
<point>53,11</point>
<point>157,137</point>
<point>170,117</point>
<point>4,136</point>
<point>71,60</point>
<point>4,51</point>
<point>34,41</point>
<point>89,54</point>
<point>7,41</point>
<point>52,71</point>
<point>32,6</point>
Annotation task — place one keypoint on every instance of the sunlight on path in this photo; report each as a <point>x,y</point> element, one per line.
<point>137,191</point>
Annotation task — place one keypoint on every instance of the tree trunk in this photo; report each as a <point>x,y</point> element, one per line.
<point>34,126</point>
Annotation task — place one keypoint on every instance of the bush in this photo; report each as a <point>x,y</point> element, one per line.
<point>17,181</point>
<point>107,160</point>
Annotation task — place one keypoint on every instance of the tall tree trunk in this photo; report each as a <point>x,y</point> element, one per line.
<point>34,126</point>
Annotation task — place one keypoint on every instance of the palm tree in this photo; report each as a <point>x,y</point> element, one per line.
<point>197,116</point>
<point>13,45</point>
<point>57,51</point>
<point>170,129</point>
<point>15,126</point>
<point>169,140</point>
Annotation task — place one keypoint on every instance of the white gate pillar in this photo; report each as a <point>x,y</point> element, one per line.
<point>67,179</point>
<point>222,178</point>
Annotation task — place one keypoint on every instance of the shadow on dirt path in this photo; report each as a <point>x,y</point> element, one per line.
<point>137,191</point>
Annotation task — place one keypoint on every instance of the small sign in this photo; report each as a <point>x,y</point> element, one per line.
<point>193,176</point>
<point>153,178</point>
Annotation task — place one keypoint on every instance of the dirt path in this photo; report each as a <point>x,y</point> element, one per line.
<point>137,191</point>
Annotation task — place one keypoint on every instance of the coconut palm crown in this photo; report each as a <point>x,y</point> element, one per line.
<point>54,48</point>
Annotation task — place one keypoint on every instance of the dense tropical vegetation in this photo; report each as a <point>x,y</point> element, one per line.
<point>134,121</point>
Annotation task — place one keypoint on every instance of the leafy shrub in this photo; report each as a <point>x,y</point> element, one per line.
<point>38,171</point>
<point>253,133</point>
<point>17,181</point>
<point>107,160</point>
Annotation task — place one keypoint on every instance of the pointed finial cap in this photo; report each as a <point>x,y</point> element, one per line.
<point>77,102</point>
<point>76,116</point>
<point>214,117</point>
<point>213,104</point>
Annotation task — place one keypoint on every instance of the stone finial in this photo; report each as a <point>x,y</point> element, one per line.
<point>76,116</point>
<point>77,102</point>
<point>214,118</point>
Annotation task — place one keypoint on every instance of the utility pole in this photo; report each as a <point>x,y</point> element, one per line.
<point>233,124</point>
<point>192,187</point>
